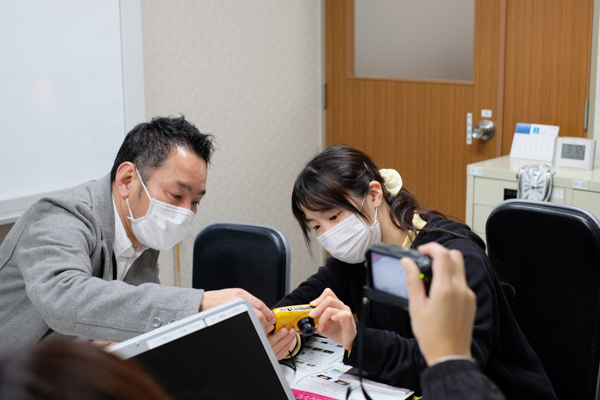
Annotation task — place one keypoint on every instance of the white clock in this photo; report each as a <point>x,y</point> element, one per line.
<point>535,182</point>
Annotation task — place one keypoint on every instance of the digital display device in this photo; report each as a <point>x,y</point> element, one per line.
<point>388,275</point>
<point>218,355</point>
<point>386,278</point>
<point>573,151</point>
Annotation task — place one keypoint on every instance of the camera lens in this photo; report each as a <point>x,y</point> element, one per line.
<point>306,326</point>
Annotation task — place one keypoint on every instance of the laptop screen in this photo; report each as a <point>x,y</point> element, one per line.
<point>224,360</point>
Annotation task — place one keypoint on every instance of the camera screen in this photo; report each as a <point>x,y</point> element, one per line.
<point>388,275</point>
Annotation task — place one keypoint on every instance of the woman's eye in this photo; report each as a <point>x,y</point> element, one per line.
<point>334,217</point>
<point>196,203</point>
<point>316,227</point>
<point>176,196</point>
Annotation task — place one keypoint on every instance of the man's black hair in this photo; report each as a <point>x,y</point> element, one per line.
<point>149,144</point>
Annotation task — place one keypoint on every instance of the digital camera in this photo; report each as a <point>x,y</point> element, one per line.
<point>386,279</point>
<point>296,317</point>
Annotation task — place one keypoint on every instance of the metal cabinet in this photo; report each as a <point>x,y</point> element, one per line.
<point>492,181</point>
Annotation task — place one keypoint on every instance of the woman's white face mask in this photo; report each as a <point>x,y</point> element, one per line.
<point>163,226</point>
<point>349,240</point>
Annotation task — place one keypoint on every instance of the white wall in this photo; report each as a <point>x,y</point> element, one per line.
<point>248,72</point>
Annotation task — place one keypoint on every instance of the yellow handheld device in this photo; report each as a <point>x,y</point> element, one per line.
<point>296,317</point>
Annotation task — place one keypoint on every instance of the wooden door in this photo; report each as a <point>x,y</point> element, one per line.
<point>548,53</point>
<point>419,127</point>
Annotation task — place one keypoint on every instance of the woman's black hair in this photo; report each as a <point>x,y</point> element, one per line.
<point>70,370</point>
<point>333,176</point>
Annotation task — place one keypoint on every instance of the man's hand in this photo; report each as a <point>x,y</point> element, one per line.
<point>443,322</point>
<point>102,345</point>
<point>335,319</point>
<point>214,298</point>
<point>282,342</point>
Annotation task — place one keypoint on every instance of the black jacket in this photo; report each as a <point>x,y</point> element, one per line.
<point>457,380</point>
<point>390,350</point>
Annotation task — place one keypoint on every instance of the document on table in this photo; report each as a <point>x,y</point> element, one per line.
<point>321,375</point>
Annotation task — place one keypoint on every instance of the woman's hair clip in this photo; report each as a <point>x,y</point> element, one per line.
<point>392,181</point>
<point>368,170</point>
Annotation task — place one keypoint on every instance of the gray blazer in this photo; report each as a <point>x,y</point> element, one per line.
<point>54,269</point>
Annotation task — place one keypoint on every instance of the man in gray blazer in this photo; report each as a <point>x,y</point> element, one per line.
<point>83,262</point>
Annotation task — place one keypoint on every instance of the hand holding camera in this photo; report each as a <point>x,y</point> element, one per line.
<point>297,318</point>
<point>443,321</point>
<point>326,315</point>
<point>335,318</point>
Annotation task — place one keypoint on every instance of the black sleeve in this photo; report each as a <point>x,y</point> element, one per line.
<point>458,380</point>
<point>393,354</point>
<point>389,357</point>
<point>390,351</point>
<point>328,276</point>
<point>485,328</point>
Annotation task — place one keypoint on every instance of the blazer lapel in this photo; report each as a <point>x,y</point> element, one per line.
<point>102,201</point>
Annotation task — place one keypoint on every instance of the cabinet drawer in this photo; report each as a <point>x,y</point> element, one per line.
<point>560,192</point>
<point>480,216</point>
<point>490,192</point>
<point>589,201</point>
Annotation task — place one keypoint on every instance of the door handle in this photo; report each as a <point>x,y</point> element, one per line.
<point>484,130</point>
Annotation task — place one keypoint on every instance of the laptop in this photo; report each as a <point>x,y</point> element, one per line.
<point>221,353</point>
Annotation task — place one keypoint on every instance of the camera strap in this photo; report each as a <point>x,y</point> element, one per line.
<point>364,317</point>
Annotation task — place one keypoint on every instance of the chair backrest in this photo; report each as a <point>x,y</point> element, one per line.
<point>550,255</point>
<point>252,257</point>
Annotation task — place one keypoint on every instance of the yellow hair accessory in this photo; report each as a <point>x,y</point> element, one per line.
<point>392,180</point>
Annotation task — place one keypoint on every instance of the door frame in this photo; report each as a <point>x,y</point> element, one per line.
<point>593,131</point>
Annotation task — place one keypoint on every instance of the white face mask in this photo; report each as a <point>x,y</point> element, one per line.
<point>349,240</point>
<point>163,226</point>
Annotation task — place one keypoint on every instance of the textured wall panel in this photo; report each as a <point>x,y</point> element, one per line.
<point>248,72</point>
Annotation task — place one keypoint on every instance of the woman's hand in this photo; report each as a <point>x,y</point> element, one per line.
<point>335,319</point>
<point>282,342</point>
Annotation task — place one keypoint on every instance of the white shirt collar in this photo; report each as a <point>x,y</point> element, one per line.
<point>122,246</point>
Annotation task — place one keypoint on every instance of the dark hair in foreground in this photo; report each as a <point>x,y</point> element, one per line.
<point>69,370</point>
<point>337,173</point>
<point>149,144</point>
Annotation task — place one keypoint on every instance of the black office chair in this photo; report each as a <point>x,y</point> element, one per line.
<point>550,255</point>
<point>252,257</point>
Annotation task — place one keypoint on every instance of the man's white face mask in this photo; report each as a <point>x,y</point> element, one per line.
<point>163,226</point>
<point>350,239</point>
